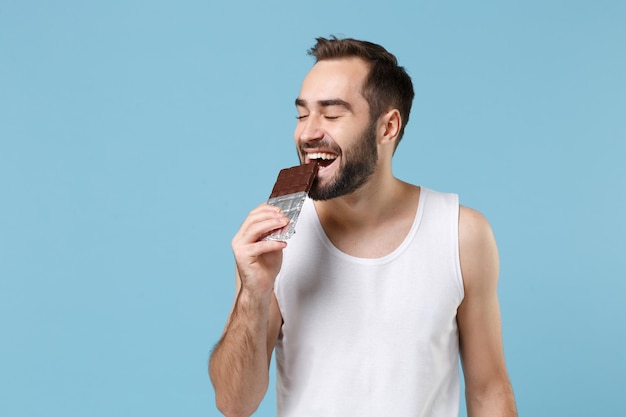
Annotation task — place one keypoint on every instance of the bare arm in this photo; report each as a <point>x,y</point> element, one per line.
<point>239,364</point>
<point>488,389</point>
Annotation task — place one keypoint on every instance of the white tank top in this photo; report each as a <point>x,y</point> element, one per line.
<point>371,337</point>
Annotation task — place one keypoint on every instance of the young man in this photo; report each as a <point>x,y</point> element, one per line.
<point>384,284</point>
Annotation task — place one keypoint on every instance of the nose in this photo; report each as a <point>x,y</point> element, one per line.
<point>309,129</point>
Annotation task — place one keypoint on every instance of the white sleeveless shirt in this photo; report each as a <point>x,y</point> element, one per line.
<point>371,337</point>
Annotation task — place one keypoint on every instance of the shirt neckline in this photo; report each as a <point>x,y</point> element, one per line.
<point>372,261</point>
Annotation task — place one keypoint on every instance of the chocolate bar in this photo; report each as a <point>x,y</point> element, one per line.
<point>289,192</point>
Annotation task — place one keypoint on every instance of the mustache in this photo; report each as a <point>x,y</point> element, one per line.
<point>322,145</point>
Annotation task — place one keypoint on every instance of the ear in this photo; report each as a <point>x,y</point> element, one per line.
<point>390,123</point>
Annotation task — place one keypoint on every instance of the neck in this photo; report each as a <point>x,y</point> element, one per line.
<point>369,205</point>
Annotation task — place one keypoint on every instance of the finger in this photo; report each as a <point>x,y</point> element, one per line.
<point>258,230</point>
<point>259,224</point>
<point>248,254</point>
<point>264,211</point>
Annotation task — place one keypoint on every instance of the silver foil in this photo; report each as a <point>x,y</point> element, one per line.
<point>291,205</point>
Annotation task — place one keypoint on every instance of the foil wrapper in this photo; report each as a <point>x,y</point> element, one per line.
<point>291,205</point>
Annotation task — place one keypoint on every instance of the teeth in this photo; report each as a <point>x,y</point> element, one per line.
<point>320,155</point>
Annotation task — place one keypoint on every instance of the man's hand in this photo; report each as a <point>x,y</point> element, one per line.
<point>259,261</point>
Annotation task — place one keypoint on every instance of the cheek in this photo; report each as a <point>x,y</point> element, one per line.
<point>298,132</point>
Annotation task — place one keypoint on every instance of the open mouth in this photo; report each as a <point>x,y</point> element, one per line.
<point>324,159</point>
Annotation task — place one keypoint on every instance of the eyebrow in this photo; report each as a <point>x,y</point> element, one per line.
<point>326,103</point>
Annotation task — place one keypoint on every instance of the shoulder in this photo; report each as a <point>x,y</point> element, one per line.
<point>477,249</point>
<point>473,224</point>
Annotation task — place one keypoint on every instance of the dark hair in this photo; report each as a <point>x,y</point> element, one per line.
<point>387,86</point>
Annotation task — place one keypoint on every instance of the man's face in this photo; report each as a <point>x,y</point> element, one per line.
<point>334,127</point>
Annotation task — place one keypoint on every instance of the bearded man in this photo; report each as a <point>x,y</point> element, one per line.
<point>386,283</point>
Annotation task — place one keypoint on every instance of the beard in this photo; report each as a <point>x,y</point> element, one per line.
<point>358,163</point>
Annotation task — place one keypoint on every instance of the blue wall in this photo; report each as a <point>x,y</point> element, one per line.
<point>136,135</point>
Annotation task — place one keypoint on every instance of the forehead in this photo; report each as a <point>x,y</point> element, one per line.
<point>335,78</point>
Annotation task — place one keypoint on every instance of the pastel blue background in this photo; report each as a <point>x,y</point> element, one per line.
<point>135,136</point>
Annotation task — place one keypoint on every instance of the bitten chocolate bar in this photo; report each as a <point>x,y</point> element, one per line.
<point>289,192</point>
